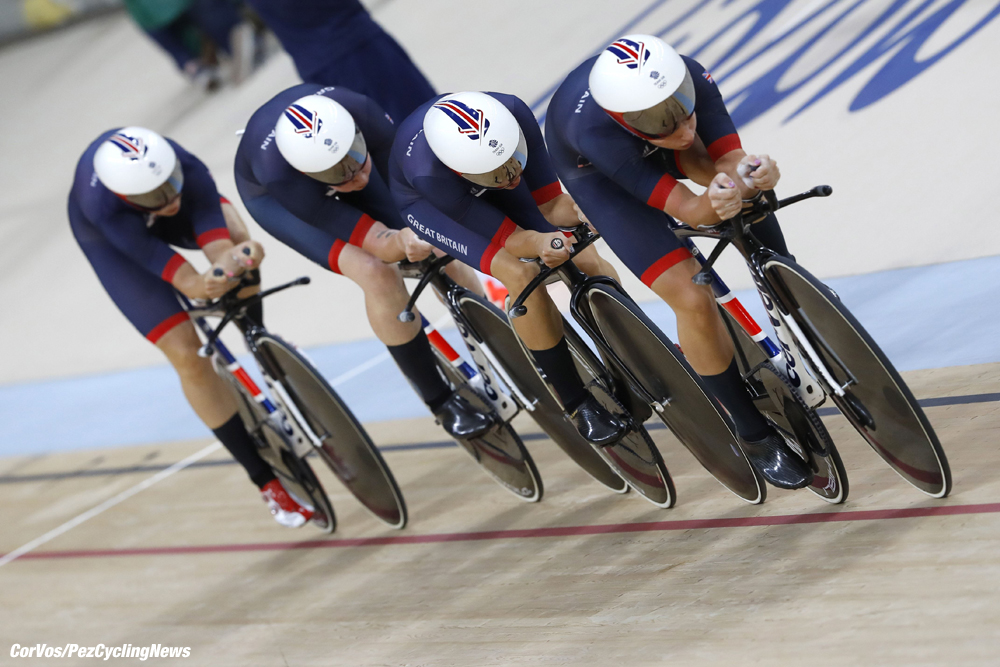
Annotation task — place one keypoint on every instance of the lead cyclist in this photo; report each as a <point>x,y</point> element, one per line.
<point>623,129</point>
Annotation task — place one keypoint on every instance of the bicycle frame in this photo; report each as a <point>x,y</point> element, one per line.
<point>786,358</point>
<point>279,406</point>
<point>483,376</point>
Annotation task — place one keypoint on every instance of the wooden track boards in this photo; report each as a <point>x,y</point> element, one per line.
<point>882,591</point>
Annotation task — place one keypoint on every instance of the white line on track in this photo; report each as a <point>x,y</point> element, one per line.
<point>109,503</point>
<point>177,467</point>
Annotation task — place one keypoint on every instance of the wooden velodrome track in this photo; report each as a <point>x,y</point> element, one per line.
<point>479,577</point>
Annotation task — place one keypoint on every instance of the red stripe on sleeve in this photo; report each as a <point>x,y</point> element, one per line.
<point>677,163</point>
<point>507,227</point>
<point>361,228</point>
<point>170,269</point>
<point>223,200</point>
<point>721,146</point>
<point>166,325</point>
<point>662,190</point>
<point>547,193</point>
<point>212,235</point>
<point>333,259</point>
<point>661,265</point>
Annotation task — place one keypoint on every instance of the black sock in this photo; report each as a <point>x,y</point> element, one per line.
<point>233,435</point>
<point>557,363</point>
<point>728,387</point>
<point>416,360</point>
<point>768,232</point>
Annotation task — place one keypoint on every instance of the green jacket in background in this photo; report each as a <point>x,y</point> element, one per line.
<point>155,14</point>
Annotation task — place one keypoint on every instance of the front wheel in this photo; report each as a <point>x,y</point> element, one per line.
<point>876,400</point>
<point>295,474</point>
<point>343,444</point>
<point>685,405</point>
<point>492,326</point>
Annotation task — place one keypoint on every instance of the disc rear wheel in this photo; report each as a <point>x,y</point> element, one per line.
<point>635,457</point>
<point>779,403</point>
<point>499,452</point>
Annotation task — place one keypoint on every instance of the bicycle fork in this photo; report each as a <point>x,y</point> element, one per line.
<point>785,357</point>
<point>297,434</point>
<point>482,380</point>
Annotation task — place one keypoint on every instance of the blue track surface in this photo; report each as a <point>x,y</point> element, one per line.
<point>923,317</point>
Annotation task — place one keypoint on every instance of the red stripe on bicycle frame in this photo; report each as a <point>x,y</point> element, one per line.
<point>361,230</point>
<point>661,265</point>
<point>247,382</point>
<point>166,325</point>
<point>438,341</point>
<point>739,313</point>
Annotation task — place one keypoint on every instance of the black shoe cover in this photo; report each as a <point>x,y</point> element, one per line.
<point>776,461</point>
<point>461,420</point>
<point>597,425</point>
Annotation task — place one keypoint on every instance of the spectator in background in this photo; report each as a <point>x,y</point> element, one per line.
<point>336,43</point>
<point>181,28</point>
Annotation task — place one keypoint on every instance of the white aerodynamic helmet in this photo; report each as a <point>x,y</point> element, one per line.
<point>319,137</point>
<point>139,166</point>
<point>643,84</point>
<point>475,135</point>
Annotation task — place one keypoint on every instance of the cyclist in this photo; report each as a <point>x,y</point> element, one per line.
<point>623,129</point>
<point>339,44</point>
<point>309,169</point>
<point>135,194</point>
<point>461,178</point>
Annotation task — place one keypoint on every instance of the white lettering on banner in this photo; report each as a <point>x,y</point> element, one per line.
<point>437,237</point>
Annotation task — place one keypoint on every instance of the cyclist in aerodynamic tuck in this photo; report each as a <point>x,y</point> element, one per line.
<point>623,129</point>
<point>309,169</point>
<point>135,195</point>
<point>461,175</point>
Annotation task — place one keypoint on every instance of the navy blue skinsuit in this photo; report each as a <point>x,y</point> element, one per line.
<point>467,221</point>
<point>300,211</point>
<point>620,181</point>
<point>129,248</point>
<point>336,43</point>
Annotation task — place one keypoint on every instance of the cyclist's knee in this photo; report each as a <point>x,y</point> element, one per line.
<point>513,273</point>
<point>181,345</point>
<point>378,277</point>
<point>685,298</point>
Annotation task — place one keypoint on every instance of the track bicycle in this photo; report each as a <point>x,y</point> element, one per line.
<point>302,415</point>
<point>822,352</point>
<point>640,372</point>
<point>496,355</point>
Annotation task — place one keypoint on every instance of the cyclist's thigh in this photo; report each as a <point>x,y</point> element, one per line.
<point>148,302</point>
<point>639,234</point>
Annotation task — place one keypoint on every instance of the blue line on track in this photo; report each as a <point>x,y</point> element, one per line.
<point>436,444</point>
